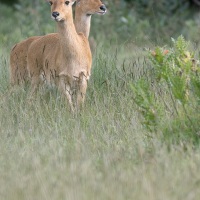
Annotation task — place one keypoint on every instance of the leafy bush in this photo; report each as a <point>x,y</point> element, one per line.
<point>177,67</point>
<point>177,80</point>
<point>146,102</point>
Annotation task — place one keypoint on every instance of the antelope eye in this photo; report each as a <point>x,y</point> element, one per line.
<point>50,3</point>
<point>67,3</point>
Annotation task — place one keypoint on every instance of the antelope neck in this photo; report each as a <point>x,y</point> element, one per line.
<point>82,22</point>
<point>69,39</point>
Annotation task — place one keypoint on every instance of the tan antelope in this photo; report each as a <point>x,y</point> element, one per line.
<point>18,61</point>
<point>64,58</point>
<point>18,56</point>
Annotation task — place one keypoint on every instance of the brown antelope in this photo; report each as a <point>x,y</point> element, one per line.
<point>18,61</point>
<point>83,12</point>
<point>64,58</point>
<point>18,57</point>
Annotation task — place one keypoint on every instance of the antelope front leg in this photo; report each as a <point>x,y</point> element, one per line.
<point>35,82</point>
<point>34,75</point>
<point>81,92</point>
<point>64,86</point>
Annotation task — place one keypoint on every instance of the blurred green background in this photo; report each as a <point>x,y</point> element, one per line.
<point>131,20</point>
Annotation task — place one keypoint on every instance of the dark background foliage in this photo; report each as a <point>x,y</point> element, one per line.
<point>157,20</point>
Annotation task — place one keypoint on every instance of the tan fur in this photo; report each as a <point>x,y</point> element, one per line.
<point>18,56</point>
<point>84,10</point>
<point>64,58</point>
<point>18,61</point>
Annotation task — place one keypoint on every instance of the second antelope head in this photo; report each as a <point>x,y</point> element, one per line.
<point>91,7</point>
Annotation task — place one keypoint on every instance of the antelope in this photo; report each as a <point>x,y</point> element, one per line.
<point>18,62</point>
<point>64,58</point>
<point>18,57</point>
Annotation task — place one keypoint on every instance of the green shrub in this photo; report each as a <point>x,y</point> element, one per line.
<point>146,102</point>
<point>174,93</point>
<point>177,67</point>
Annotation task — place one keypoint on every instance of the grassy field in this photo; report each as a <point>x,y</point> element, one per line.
<point>104,152</point>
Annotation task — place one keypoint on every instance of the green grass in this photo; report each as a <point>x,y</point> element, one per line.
<point>104,152</point>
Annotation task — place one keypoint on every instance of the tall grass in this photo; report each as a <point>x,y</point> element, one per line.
<point>104,152</point>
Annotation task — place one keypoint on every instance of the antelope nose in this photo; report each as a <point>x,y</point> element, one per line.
<point>55,14</point>
<point>103,8</point>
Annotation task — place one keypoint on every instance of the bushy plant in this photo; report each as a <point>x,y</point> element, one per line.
<point>176,74</point>
<point>146,102</point>
<point>177,67</point>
